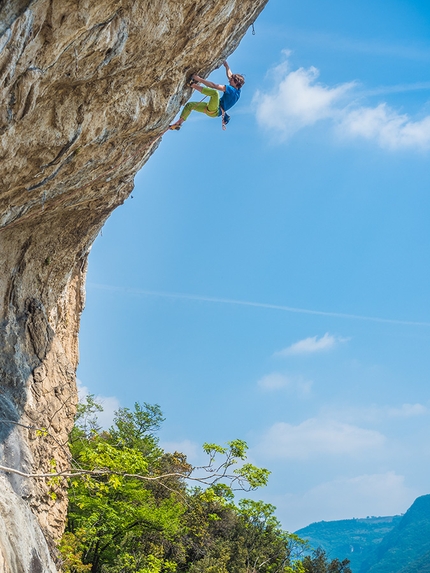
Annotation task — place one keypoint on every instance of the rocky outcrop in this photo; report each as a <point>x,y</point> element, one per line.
<point>23,546</point>
<point>87,87</point>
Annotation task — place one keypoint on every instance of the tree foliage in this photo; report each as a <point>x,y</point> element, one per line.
<point>132,508</point>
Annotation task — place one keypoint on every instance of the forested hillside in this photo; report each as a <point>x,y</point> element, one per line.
<point>399,544</point>
<point>404,548</point>
<point>352,538</point>
<point>133,507</point>
<point>421,565</point>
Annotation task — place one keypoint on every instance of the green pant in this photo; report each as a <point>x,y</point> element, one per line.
<point>210,108</point>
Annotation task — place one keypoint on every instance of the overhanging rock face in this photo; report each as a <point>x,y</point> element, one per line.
<point>86,89</point>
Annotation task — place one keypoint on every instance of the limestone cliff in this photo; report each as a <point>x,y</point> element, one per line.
<point>86,89</point>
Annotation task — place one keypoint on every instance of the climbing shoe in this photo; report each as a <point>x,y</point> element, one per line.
<point>175,127</point>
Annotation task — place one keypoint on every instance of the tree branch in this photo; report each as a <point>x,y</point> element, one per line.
<point>208,480</point>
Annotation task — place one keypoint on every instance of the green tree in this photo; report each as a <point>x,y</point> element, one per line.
<point>264,545</point>
<point>318,563</point>
<point>132,509</point>
<point>114,519</point>
<point>128,498</point>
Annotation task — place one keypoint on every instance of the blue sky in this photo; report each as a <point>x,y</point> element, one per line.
<point>315,198</point>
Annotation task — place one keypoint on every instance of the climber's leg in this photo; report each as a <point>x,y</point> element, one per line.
<point>212,106</point>
<point>193,106</point>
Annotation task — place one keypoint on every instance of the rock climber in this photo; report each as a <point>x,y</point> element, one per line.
<point>216,106</point>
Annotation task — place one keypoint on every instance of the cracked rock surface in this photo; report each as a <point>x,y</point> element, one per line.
<point>87,87</point>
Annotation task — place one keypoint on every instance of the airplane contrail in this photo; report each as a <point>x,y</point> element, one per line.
<point>229,301</point>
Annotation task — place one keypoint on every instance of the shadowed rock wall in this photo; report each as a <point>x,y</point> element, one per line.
<point>86,89</point>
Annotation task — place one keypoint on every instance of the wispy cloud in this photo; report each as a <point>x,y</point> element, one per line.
<point>317,436</point>
<point>376,414</point>
<point>311,345</point>
<point>395,89</point>
<point>229,301</point>
<point>374,47</point>
<point>277,381</point>
<point>298,100</point>
<point>407,411</point>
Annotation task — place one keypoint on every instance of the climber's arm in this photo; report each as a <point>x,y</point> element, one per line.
<point>209,84</point>
<point>227,70</point>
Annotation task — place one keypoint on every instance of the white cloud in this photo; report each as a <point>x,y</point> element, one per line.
<point>386,126</point>
<point>274,381</point>
<point>311,345</point>
<point>277,381</point>
<point>187,447</point>
<point>344,498</point>
<point>109,404</point>
<point>298,101</point>
<point>83,391</point>
<point>315,437</point>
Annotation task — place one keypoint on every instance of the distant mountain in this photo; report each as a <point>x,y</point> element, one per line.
<point>421,565</point>
<point>399,544</point>
<point>406,549</point>
<point>353,539</point>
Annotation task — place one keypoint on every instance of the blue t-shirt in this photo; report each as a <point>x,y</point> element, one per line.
<point>229,98</point>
